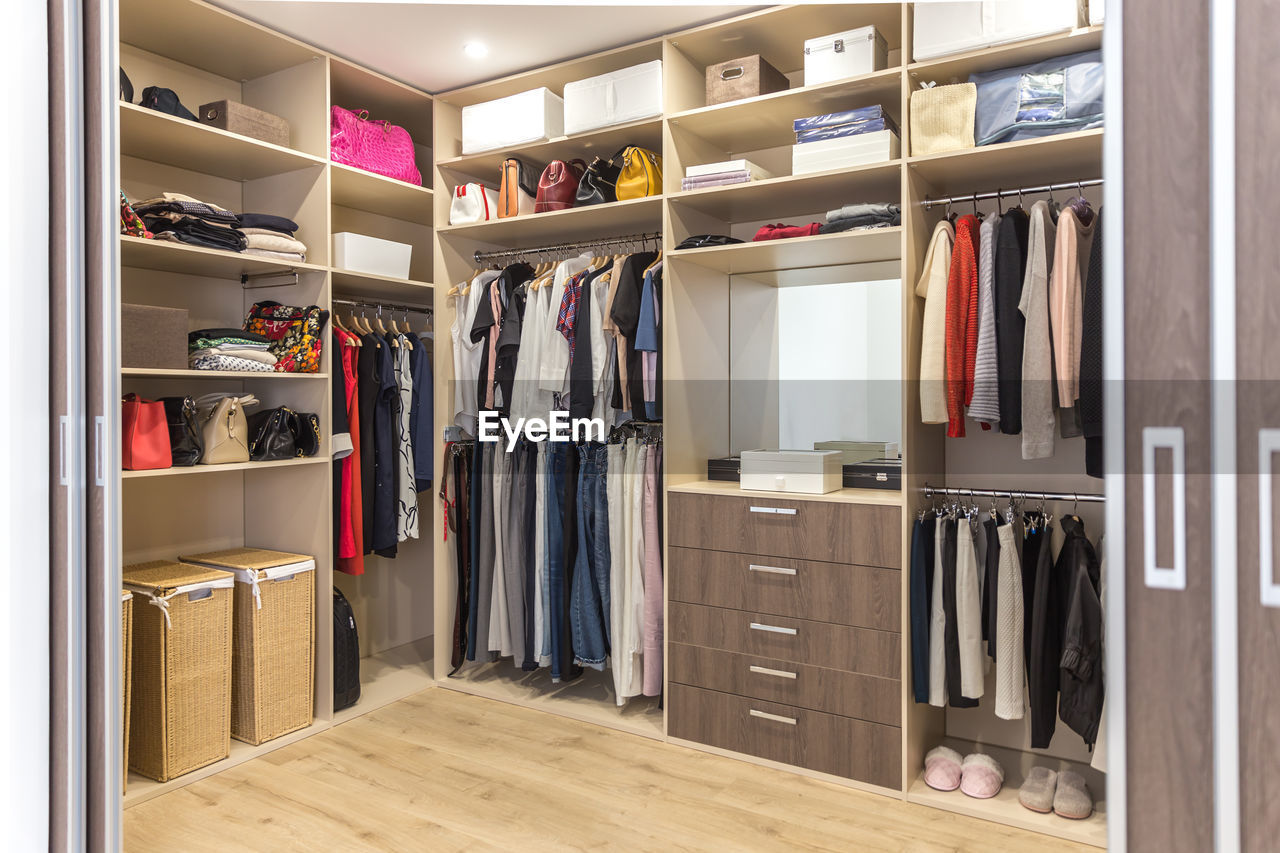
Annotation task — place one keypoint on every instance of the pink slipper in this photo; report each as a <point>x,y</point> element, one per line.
<point>982,776</point>
<point>942,768</point>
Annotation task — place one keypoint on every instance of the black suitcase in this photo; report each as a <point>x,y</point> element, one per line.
<point>346,653</point>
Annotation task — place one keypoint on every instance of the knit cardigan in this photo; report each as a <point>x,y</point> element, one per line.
<point>1038,421</point>
<point>933,287</point>
<point>1066,293</point>
<point>962,323</point>
<point>985,407</point>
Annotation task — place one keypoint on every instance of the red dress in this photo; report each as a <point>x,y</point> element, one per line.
<point>962,323</point>
<point>350,556</point>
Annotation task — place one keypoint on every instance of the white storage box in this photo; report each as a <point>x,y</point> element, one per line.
<point>373,255</point>
<point>877,147</point>
<point>942,29</point>
<point>812,472</point>
<point>628,94</point>
<point>1097,12</point>
<point>533,116</point>
<point>842,55</point>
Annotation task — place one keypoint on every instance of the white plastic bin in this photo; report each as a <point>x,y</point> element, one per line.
<point>846,54</point>
<point>628,94</point>
<point>877,147</point>
<point>372,255</point>
<point>533,116</point>
<point>942,29</point>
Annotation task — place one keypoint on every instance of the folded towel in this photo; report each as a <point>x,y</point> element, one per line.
<point>267,220</point>
<point>275,243</point>
<point>277,256</point>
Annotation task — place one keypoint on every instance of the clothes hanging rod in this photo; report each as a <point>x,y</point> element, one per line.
<point>386,306</point>
<point>1011,494</point>
<point>1018,191</point>
<point>554,248</point>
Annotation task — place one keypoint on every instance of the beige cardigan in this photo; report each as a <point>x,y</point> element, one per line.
<point>933,287</point>
<point>1066,298</point>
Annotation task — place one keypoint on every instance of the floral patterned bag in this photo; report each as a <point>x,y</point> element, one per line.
<point>295,334</point>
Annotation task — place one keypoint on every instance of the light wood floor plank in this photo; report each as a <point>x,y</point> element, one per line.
<point>445,771</point>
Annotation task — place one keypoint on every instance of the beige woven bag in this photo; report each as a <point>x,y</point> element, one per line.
<point>942,118</point>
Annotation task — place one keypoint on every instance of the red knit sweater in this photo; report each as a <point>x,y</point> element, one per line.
<point>962,323</point>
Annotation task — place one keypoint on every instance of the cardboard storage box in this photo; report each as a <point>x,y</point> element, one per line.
<point>846,54</point>
<point>533,116</point>
<point>373,255</point>
<point>628,94</point>
<point>843,152</point>
<point>240,118</point>
<point>813,472</point>
<point>180,703</point>
<point>745,77</point>
<point>153,337</point>
<point>272,671</point>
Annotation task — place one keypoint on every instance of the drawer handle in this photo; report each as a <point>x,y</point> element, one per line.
<point>1268,443</point>
<point>777,718</point>
<point>774,510</point>
<point>1173,439</point>
<point>772,570</point>
<point>777,673</point>
<point>776,629</point>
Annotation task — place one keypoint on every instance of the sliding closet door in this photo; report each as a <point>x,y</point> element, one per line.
<point>1169,666</point>
<point>1257,257</point>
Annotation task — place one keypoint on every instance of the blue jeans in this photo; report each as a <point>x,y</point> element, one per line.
<point>589,605</point>
<point>556,467</point>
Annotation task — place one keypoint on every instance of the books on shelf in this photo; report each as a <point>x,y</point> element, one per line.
<point>741,165</point>
<point>722,179</point>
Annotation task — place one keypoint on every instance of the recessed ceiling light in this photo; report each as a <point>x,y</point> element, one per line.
<point>475,50</point>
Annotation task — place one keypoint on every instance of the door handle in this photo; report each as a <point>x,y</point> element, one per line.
<point>1173,439</point>
<point>1268,443</point>
<point>776,673</point>
<point>771,570</point>
<point>775,629</point>
<point>774,510</point>
<point>777,718</point>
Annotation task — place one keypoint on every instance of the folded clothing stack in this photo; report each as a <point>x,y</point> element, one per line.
<point>786,232</point>
<point>841,124</point>
<point>270,236</point>
<point>230,349</point>
<point>183,219</point>
<point>721,174</point>
<point>853,216</point>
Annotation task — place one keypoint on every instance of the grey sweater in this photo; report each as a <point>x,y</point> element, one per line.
<point>985,406</point>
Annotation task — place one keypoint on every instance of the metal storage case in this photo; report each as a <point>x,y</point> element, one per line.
<point>846,54</point>
<point>180,704</point>
<point>272,674</point>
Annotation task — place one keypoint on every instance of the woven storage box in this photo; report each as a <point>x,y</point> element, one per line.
<point>246,121</point>
<point>151,336</point>
<point>745,77</point>
<point>180,714</point>
<point>272,666</point>
<point>126,644</point>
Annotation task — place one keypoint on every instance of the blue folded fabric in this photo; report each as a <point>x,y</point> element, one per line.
<point>874,111</point>
<point>838,131</point>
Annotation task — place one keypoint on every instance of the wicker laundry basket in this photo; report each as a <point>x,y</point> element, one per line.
<point>180,714</point>
<point>273,665</point>
<point>126,646</point>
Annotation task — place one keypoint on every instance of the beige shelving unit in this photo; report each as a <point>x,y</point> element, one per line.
<point>406,608</point>
<point>206,54</point>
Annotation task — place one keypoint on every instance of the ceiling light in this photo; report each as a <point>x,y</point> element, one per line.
<point>475,50</point>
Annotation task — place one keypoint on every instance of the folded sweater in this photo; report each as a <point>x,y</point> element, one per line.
<point>267,220</point>
<point>274,243</point>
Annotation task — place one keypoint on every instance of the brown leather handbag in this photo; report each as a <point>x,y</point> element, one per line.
<point>558,186</point>
<point>519,192</point>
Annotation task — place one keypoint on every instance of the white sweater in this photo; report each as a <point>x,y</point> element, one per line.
<point>933,340</point>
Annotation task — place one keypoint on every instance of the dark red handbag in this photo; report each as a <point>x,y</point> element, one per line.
<point>558,186</point>
<point>146,435</point>
<point>785,232</point>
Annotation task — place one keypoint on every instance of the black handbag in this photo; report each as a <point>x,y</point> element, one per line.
<point>186,441</point>
<point>306,433</point>
<point>346,653</point>
<point>271,435</point>
<point>699,241</point>
<point>165,101</point>
<point>126,87</point>
<point>599,184</point>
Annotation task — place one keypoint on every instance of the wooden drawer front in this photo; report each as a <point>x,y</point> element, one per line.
<point>804,530</point>
<point>842,746</point>
<point>823,592</point>
<point>783,638</point>
<point>849,694</point>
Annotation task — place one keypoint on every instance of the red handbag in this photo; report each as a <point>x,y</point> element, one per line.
<point>558,186</point>
<point>786,232</point>
<point>146,435</point>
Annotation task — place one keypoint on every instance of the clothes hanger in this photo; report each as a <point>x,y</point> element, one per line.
<point>408,331</point>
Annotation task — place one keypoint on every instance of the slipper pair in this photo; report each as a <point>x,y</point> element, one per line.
<point>1064,793</point>
<point>977,775</point>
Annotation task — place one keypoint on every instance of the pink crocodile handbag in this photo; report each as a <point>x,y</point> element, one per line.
<point>375,146</point>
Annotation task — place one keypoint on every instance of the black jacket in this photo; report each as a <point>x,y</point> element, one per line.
<point>1010,267</point>
<point>1081,679</point>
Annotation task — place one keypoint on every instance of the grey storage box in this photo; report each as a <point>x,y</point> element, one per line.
<point>814,472</point>
<point>153,337</point>
<point>238,118</point>
<point>745,77</point>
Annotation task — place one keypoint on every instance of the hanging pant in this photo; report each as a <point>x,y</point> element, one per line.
<point>955,692</point>
<point>614,493</point>
<point>590,604</point>
<point>1011,676</point>
<point>921,581</point>
<point>969,612</point>
<point>653,627</point>
<point>499,624</point>
<point>990,586</point>
<point>938,622</point>
<point>557,473</point>
<point>569,542</point>
<point>1052,589</point>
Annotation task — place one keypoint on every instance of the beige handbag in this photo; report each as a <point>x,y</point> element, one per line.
<point>224,427</point>
<point>942,118</point>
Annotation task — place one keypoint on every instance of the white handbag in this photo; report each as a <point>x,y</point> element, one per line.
<point>225,427</point>
<point>473,203</point>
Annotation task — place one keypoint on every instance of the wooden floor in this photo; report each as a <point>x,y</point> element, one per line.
<point>446,771</point>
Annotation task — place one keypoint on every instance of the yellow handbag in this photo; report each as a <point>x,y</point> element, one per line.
<point>641,174</point>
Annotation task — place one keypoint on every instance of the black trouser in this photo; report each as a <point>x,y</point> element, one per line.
<point>952,634</point>
<point>921,587</point>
